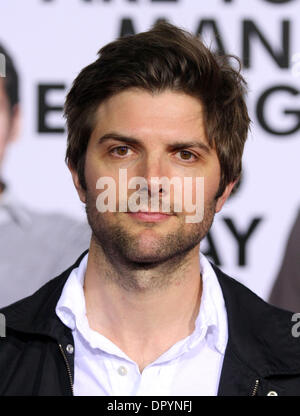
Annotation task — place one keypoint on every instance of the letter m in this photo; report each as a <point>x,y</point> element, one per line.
<point>2,65</point>
<point>2,325</point>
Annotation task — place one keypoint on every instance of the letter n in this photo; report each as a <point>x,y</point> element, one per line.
<point>281,57</point>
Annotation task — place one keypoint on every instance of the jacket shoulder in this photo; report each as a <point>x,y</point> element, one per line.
<point>259,332</point>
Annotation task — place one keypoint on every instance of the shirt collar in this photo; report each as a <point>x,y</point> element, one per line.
<point>71,305</point>
<point>212,318</point>
<point>211,322</point>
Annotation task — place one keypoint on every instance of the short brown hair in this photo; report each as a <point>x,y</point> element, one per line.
<point>165,57</point>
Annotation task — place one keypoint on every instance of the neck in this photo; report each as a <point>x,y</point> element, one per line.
<point>143,314</point>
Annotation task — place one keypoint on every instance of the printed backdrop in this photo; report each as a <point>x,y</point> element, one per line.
<point>52,40</point>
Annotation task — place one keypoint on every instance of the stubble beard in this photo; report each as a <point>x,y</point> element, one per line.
<point>125,261</point>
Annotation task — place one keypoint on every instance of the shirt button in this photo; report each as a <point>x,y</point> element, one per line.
<point>122,370</point>
<point>70,348</point>
<point>272,393</point>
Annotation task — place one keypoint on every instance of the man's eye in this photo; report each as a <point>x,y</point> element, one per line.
<point>120,151</point>
<point>186,155</point>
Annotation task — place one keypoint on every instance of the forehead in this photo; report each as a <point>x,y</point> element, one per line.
<point>169,115</point>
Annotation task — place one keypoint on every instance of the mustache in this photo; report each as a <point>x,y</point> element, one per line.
<point>152,203</point>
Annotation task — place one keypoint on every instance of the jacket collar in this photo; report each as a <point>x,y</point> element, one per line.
<point>259,338</point>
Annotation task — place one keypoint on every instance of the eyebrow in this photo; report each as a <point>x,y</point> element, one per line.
<point>119,137</point>
<point>184,145</point>
<point>172,146</point>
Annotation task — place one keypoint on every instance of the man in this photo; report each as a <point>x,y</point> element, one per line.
<point>141,313</point>
<point>33,246</point>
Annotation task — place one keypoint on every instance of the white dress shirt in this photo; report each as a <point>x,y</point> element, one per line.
<point>191,367</point>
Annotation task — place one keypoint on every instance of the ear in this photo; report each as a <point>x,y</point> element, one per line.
<point>223,198</point>
<point>81,192</point>
<point>15,123</point>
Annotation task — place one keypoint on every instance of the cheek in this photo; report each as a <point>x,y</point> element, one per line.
<point>208,185</point>
<point>211,186</point>
<point>100,178</point>
<point>92,171</point>
<point>212,181</point>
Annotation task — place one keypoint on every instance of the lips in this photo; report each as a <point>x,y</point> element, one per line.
<point>150,216</point>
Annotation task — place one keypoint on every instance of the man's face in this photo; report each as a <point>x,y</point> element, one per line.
<point>8,121</point>
<point>150,136</point>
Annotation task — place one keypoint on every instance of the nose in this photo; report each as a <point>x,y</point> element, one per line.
<point>153,167</point>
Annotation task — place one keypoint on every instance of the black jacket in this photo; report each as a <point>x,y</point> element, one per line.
<point>262,356</point>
